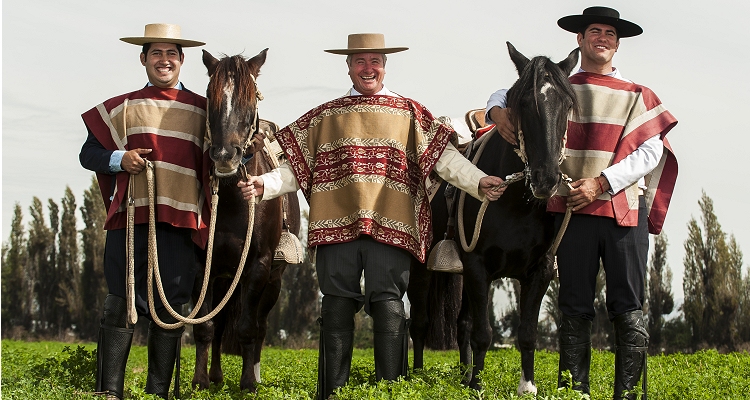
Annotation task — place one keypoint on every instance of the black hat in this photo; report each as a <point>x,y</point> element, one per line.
<point>600,15</point>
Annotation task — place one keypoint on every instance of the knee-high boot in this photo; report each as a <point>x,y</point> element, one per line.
<point>575,352</point>
<point>631,341</point>
<point>390,328</point>
<point>336,343</point>
<point>113,348</point>
<point>163,350</point>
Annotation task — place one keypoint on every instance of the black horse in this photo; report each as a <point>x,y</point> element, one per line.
<point>517,232</point>
<point>233,123</point>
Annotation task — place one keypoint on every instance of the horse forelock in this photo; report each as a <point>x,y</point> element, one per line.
<point>539,75</point>
<point>235,73</point>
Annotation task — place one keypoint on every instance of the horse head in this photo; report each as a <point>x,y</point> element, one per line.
<point>541,101</point>
<point>232,113</point>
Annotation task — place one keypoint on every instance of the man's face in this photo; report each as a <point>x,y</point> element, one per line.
<point>598,44</point>
<point>367,71</point>
<point>163,63</point>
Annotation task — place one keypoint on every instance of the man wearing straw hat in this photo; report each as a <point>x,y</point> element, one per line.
<point>164,123</point>
<point>361,161</point>
<point>624,172</point>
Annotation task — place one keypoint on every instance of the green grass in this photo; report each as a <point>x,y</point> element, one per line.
<point>51,370</point>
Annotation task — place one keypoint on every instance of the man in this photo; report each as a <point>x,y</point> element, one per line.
<point>164,123</point>
<point>624,172</point>
<point>361,162</point>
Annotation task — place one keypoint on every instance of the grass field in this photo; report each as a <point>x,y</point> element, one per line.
<point>47,370</point>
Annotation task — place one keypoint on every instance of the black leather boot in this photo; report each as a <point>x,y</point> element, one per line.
<point>390,328</point>
<point>575,352</point>
<point>113,348</point>
<point>631,344</point>
<point>163,349</point>
<point>336,343</point>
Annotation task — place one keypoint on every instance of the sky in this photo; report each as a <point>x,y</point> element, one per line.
<point>59,59</point>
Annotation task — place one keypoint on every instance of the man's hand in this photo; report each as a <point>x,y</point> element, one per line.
<point>132,162</point>
<point>487,186</point>
<point>585,191</point>
<point>506,129</point>
<point>253,187</point>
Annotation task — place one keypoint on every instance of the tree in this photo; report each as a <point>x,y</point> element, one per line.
<point>93,238</point>
<point>47,279</point>
<point>71,292</point>
<point>14,258</point>
<point>40,247</point>
<point>713,276</point>
<point>602,330</point>
<point>660,298</point>
<point>552,308</point>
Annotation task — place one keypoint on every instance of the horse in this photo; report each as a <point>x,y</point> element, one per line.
<point>236,139</point>
<point>517,232</point>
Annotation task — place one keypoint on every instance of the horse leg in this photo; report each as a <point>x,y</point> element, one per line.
<point>203,334</point>
<point>215,374</point>
<point>532,294</point>
<point>477,284</point>
<point>418,290</point>
<point>253,284</point>
<point>267,301</point>
<point>464,336</point>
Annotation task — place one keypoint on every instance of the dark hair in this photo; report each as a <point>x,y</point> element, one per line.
<point>582,30</point>
<point>147,47</point>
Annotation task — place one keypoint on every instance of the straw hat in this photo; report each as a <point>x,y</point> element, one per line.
<point>367,43</point>
<point>600,15</point>
<point>162,33</point>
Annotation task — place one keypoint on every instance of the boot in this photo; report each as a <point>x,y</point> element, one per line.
<point>336,343</point>
<point>390,328</point>
<point>631,344</point>
<point>163,349</point>
<point>575,353</point>
<point>113,348</point>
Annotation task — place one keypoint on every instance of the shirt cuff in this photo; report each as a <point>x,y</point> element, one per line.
<point>115,161</point>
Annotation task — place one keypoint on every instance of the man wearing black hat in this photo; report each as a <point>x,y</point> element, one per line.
<point>624,172</point>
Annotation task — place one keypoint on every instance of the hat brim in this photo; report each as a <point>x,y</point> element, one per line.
<point>575,23</point>
<point>384,50</point>
<point>143,40</point>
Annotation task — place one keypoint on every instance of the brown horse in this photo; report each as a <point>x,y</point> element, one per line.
<point>233,124</point>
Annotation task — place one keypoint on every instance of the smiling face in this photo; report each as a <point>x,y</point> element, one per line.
<point>598,43</point>
<point>163,62</point>
<point>367,71</point>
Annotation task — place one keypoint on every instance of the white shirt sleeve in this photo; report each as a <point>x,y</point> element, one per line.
<point>279,182</point>
<point>496,99</point>
<point>455,169</point>
<point>635,166</point>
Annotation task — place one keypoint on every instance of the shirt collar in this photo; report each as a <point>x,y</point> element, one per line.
<point>178,86</point>
<point>614,74</point>
<point>383,92</point>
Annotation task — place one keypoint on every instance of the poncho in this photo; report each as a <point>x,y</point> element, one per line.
<point>616,117</point>
<point>362,162</point>
<point>171,122</point>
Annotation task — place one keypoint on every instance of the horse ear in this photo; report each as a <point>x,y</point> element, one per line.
<point>518,59</point>
<point>569,63</point>
<point>256,62</point>
<point>210,62</point>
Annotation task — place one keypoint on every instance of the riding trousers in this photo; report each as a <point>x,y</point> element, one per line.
<point>178,264</point>
<point>623,252</point>
<point>386,270</point>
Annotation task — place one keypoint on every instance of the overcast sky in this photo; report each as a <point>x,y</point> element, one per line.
<point>61,58</point>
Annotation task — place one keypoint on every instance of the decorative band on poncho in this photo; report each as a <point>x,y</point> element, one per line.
<point>171,122</point>
<point>362,163</point>
<point>615,118</point>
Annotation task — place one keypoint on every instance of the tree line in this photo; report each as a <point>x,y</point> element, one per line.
<point>53,286</point>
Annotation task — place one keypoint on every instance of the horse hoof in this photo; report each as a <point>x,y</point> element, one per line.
<point>201,383</point>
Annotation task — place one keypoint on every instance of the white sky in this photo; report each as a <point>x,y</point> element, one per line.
<point>61,58</point>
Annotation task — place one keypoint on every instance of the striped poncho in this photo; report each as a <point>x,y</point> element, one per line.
<point>616,117</point>
<point>361,162</point>
<point>171,122</point>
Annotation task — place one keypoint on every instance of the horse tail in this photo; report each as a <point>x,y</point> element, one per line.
<point>444,299</point>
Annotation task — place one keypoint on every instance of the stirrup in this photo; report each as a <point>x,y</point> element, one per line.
<point>289,249</point>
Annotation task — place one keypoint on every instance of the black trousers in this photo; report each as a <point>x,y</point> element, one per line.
<point>623,252</point>
<point>386,269</point>
<point>178,264</point>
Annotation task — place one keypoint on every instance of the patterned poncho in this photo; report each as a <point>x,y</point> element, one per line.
<point>616,118</point>
<point>171,122</point>
<point>361,162</point>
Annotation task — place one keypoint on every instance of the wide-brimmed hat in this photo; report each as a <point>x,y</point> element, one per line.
<point>162,33</point>
<point>599,15</point>
<point>367,43</point>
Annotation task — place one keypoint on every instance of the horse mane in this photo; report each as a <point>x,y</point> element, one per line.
<point>234,68</point>
<point>532,76</point>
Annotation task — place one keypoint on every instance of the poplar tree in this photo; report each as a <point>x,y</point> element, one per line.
<point>660,299</point>
<point>712,280</point>
<point>40,247</point>
<point>71,295</point>
<point>93,238</point>
<point>14,257</point>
